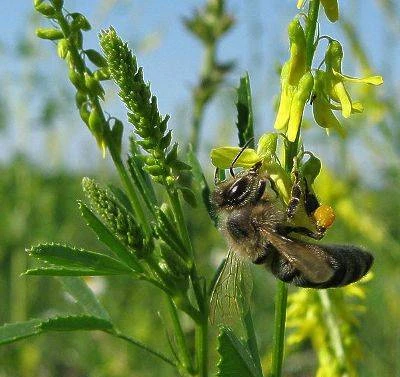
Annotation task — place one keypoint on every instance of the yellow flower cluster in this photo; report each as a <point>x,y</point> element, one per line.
<point>325,89</point>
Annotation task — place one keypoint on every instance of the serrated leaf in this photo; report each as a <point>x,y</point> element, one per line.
<point>245,112</point>
<point>15,331</point>
<point>84,296</point>
<point>111,241</point>
<point>69,257</point>
<point>73,323</point>
<point>12,332</point>
<point>235,358</point>
<point>62,271</point>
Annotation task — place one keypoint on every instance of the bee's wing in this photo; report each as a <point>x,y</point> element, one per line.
<point>310,259</point>
<point>230,297</point>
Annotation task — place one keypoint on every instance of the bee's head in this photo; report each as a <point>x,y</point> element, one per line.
<point>245,187</point>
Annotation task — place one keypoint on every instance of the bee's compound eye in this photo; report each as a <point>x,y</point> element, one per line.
<point>239,191</point>
<point>324,216</point>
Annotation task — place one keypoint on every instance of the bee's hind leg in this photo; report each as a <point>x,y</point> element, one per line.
<point>296,194</point>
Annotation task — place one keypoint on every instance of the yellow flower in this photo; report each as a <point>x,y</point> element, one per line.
<point>224,156</point>
<point>296,84</point>
<point>331,8</point>
<point>329,86</point>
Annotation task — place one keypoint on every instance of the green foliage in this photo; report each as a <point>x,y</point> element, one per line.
<point>63,260</point>
<point>235,359</point>
<point>143,226</point>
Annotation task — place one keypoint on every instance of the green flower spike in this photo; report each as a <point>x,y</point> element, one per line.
<point>334,83</point>
<point>223,157</point>
<point>296,83</point>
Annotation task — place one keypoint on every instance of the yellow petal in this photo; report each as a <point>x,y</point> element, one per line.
<point>324,116</point>
<point>339,92</point>
<point>266,145</point>
<point>356,107</point>
<point>297,60</point>
<point>280,178</point>
<point>373,80</point>
<point>297,108</point>
<point>300,4</point>
<point>331,9</point>
<point>282,117</point>
<point>223,157</point>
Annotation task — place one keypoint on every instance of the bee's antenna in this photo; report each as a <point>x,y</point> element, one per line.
<point>238,155</point>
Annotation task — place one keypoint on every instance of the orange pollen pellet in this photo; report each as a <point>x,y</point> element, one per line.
<point>324,216</point>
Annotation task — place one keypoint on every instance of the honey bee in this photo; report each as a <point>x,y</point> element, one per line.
<point>259,227</point>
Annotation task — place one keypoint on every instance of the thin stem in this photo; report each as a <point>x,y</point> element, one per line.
<point>183,350</point>
<point>143,346</point>
<point>200,294</point>
<point>279,329</point>
<point>202,347</point>
<point>199,98</point>
<point>311,26</point>
<point>290,151</point>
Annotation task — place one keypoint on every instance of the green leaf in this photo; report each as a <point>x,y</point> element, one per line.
<point>251,339</point>
<point>62,271</point>
<point>12,332</point>
<point>112,242</point>
<point>72,258</point>
<point>235,358</point>
<point>15,331</point>
<point>84,297</point>
<point>73,323</point>
<point>245,112</point>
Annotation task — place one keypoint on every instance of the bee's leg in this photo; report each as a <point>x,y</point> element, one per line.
<point>317,235</point>
<point>311,202</point>
<point>295,197</point>
<point>273,186</point>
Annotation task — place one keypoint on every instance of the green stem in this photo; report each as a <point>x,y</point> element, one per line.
<point>200,98</point>
<point>311,26</point>
<point>143,346</point>
<point>279,329</point>
<point>202,347</point>
<point>200,294</point>
<point>290,151</point>
<point>183,350</point>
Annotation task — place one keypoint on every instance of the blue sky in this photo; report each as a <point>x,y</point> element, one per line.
<point>171,62</point>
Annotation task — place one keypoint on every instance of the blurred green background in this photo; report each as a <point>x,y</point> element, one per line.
<point>46,150</point>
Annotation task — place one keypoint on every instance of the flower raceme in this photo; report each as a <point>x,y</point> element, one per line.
<point>296,83</point>
<point>326,88</point>
<point>330,93</point>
